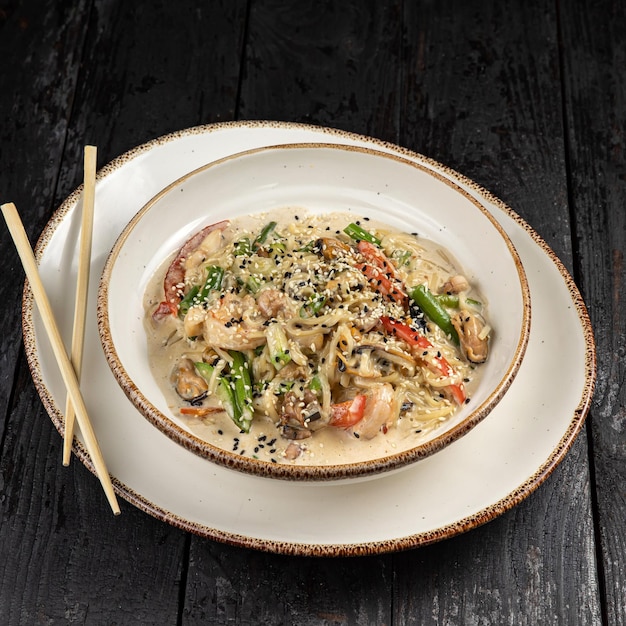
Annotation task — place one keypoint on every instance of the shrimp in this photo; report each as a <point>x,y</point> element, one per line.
<point>455,284</point>
<point>175,275</point>
<point>234,323</point>
<point>271,302</point>
<point>381,410</point>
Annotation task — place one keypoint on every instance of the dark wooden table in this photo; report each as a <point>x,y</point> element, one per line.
<point>526,98</point>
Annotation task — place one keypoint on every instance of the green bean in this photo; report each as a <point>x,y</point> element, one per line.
<point>213,281</point>
<point>224,392</point>
<point>264,234</point>
<point>205,370</point>
<point>242,388</point>
<point>434,310</point>
<point>187,301</point>
<point>358,233</point>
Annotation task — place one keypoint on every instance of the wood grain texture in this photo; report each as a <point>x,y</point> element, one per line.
<point>327,63</point>
<point>43,45</point>
<point>79,564</point>
<point>151,68</point>
<point>530,566</point>
<point>230,585</point>
<point>478,86</point>
<point>490,107</point>
<point>594,57</point>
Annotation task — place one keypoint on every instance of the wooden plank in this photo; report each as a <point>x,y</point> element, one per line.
<point>482,95</point>
<point>62,554</point>
<point>594,57</point>
<point>150,70</point>
<point>38,73</point>
<point>328,63</point>
<point>234,586</point>
<point>321,63</point>
<point>490,106</point>
<point>147,69</point>
<point>157,68</point>
<point>522,568</point>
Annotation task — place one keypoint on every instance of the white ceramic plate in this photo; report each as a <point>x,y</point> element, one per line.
<point>319,178</point>
<point>499,463</point>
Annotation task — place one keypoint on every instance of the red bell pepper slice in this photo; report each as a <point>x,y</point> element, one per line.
<point>415,339</point>
<point>381,273</point>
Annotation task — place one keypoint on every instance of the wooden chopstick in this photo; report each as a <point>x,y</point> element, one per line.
<point>27,256</point>
<point>82,286</point>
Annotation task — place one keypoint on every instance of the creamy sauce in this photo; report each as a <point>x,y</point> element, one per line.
<point>328,446</point>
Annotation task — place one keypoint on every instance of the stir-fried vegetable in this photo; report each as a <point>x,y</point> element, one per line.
<point>215,276</point>
<point>278,345</point>
<point>358,233</point>
<point>187,302</point>
<point>311,313</point>
<point>454,302</point>
<point>242,383</point>
<point>263,235</point>
<point>313,306</point>
<point>433,310</point>
<point>415,339</point>
<point>233,390</point>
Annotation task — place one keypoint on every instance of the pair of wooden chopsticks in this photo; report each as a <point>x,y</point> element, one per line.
<point>70,370</point>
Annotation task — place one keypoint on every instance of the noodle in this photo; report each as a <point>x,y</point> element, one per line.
<point>325,324</point>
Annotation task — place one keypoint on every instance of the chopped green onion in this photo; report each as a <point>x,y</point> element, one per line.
<point>277,248</point>
<point>264,234</point>
<point>315,384</point>
<point>313,306</point>
<point>187,301</point>
<point>260,386</point>
<point>278,345</point>
<point>253,284</point>
<point>401,257</point>
<point>213,281</point>
<point>224,392</point>
<point>284,387</point>
<point>309,247</point>
<point>360,234</point>
<point>453,301</point>
<point>243,247</point>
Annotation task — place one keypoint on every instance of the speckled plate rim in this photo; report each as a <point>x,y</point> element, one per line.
<point>263,133</point>
<point>363,468</point>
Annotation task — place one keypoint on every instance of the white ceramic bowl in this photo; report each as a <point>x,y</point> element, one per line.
<point>320,178</point>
